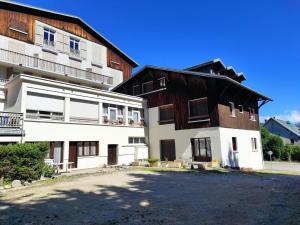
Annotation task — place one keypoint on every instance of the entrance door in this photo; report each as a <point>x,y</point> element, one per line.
<point>201,149</point>
<point>112,155</point>
<point>167,150</point>
<point>56,152</point>
<point>73,154</point>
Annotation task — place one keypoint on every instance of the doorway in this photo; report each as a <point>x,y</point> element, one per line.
<point>112,154</point>
<point>73,154</point>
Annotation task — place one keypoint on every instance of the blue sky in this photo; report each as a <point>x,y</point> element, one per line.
<point>259,38</point>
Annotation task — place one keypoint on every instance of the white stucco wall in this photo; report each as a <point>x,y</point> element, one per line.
<point>245,156</point>
<point>221,143</point>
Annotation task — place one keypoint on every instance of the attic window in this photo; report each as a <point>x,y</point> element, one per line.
<point>252,114</point>
<point>162,82</point>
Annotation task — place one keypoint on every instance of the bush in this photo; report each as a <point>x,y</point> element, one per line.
<point>152,160</point>
<point>23,162</point>
<point>48,171</point>
<point>275,144</point>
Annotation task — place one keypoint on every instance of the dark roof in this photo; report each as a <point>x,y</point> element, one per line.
<point>218,63</point>
<point>288,125</point>
<point>15,6</point>
<point>219,77</point>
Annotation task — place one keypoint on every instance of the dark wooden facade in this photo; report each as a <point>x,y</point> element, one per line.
<point>23,18</point>
<point>180,88</point>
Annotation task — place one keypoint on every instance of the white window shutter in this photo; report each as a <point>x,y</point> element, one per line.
<point>39,34</point>
<point>60,42</point>
<point>96,56</point>
<point>66,44</point>
<point>83,49</point>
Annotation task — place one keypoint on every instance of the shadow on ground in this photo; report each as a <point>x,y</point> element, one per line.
<point>162,198</point>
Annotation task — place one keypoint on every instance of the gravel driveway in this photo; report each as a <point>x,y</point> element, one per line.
<point>144,197</point>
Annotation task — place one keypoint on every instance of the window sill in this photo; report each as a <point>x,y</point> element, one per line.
<point>232,116</point>
<point>165,122</point>
<point>97,65</point>
<point>198,120</point>
<point>50,50</point>
<point>76,58</point>
<point>235,152</point>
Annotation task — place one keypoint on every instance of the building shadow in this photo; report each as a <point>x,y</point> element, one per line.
<point>161,198</point>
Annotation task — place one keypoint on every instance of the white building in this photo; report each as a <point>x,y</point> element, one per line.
<point>56,73</point>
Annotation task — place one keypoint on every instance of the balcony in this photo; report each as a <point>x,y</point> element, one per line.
<point>30,62</point>
<point>11,124</point>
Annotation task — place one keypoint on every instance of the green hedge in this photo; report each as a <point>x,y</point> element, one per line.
<point>23,162</point>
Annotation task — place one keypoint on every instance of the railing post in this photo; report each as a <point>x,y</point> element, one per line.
<point>100,113</point>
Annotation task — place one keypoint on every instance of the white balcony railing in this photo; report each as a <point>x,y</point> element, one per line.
<point>11,120</point>
<point>37,63</point>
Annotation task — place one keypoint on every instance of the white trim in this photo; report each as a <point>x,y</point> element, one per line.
<point>162,89</point>
<point>17,30</point>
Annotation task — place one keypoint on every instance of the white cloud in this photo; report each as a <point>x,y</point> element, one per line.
<point>289,115</point>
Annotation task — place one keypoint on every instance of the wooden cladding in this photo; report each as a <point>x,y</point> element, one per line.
<point>166,114</point>
<point>17,25</point>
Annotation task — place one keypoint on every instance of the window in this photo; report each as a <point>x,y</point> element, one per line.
<point>87,148</point>
<point>201,149</point>
<point>148,87</point>
<point>241,108</point>
<point>74,46</point>
<point>252,114</point>
<point>49,37</point>
<point>198,109</point>
<point>80,148</point>
<point>254,144</point>
<point>166,114</point>
<point>232,109</point>
<point>136,90</point>
<point>234,144</point>
<point>162,82</point>
<point>136,140</point>
<point>38,114</point>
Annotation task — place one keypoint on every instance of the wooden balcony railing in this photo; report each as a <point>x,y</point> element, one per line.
<point>37,63</point>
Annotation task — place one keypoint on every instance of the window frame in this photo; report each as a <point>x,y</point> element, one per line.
<point>160,82</point>
<point>241,109</point>
<point>168,120</point>
<point>234,144</point>
<point>82,145</point>
<point>198,118</point>
<point>47,42</point>
<point>254,144</point>
<point>139,142</point>
<point>74,50</point>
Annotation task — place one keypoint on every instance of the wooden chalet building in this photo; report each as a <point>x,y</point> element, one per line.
<point>200,114</point>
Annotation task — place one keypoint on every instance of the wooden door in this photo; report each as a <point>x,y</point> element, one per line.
<point>167,150</point>
<point>73,155</point>
<point>201,149</point>
<point>112,155</point>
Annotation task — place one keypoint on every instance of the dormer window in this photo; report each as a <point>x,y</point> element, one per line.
<point>162,82</point>
<point>74,46</point>
<point>49,37</point>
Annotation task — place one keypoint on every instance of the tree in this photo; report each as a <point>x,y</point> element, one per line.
<point>274,144</point>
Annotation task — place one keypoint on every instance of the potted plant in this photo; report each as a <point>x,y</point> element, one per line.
<point>131,121</point>
<point>105,119</point>
<point>154,162</point>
